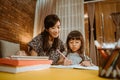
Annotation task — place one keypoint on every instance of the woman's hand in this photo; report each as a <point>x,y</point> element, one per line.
<point>67,62</point>
<point>21,53</point>
<point>86,63</point>
<point>33,53</point>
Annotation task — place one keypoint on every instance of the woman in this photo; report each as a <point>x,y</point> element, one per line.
<point>47,43</point>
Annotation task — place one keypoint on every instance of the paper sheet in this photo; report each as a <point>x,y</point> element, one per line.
<point>76,67</point>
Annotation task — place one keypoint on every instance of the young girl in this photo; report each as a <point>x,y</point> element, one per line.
<point>75,50</point>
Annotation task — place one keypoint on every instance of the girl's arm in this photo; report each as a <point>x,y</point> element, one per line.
<point>87,61</point>
<point>64,60</point>
<point>67,62</point>
<point>60,61</point>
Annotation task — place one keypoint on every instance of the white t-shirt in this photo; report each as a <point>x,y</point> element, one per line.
<point>74,57</point>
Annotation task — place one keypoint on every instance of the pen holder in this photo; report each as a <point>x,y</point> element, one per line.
<point>109,63</point>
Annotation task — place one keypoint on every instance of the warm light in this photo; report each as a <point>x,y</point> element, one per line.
<point>25,38</point>
<point>85,16</point>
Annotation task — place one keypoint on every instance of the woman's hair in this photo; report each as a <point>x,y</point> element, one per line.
<point>49,21</point>
<point>75,35</point>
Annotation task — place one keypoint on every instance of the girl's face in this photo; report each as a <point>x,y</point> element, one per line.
<point>55,30</point>
<point>75,45</point>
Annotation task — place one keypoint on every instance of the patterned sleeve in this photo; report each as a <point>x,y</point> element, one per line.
<point>36,44</point>
<point>62,46</point>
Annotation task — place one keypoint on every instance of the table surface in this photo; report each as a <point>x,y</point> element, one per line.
<point>53,74</point>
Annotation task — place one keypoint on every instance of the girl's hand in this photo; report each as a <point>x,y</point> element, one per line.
<point>67,62</point>
<point>86,63</point>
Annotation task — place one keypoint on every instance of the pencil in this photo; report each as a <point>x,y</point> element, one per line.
<point>118,70</point>
<point>111,59</point>
<point>108,72</point>
<point>114,74</point>
<point>102,72</point>
<point>61,53</point>
<point>101,51</point>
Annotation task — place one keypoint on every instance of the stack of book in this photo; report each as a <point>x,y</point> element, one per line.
<point>16,64</point>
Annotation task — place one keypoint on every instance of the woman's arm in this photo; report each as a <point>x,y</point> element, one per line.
<point>32,52</point>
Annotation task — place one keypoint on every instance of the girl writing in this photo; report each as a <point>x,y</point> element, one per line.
<point>75,50</point>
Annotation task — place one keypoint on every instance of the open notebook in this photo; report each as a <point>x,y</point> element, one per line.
<point>76,67</point>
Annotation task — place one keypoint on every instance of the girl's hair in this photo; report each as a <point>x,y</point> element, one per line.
<point>49,22</point>
<point>75,35</point>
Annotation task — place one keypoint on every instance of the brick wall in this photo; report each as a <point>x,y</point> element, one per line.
<point>17,21</point>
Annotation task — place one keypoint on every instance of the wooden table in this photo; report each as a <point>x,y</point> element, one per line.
<point>53,74</point>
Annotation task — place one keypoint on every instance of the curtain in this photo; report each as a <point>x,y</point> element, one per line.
<point>43,8</point>
<point>116,20</point>
<point>91,12</point>
<point>71,13</point>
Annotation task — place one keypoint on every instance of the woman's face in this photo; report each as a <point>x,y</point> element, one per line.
<point>74,45</point>
<point>55,30</point>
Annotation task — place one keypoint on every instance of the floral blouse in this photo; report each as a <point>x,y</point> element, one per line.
<point>37,45</point>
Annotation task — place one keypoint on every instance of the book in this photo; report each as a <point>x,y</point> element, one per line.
<point>15,57</point>
<point>18,64</point>
<point>86,67</point>
<point>23,62</point>
<point>76,67</point>
<point>18,69</point>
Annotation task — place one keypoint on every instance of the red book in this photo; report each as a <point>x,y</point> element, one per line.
<point>23,62</point>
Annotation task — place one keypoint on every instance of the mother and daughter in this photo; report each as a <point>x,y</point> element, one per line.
<point>48,43</point>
